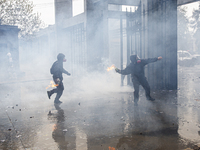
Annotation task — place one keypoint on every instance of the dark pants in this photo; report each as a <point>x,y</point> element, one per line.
<point>137,81</point>
<point>59,89</point>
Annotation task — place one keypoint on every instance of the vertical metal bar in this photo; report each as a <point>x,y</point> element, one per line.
<point>128,43</point>
<point>173,46</point>
<point>131,30</point>
<point>153,41</point>
<point>140,28</point>
<point>148,32</point>
<point>143,22</point>
<point>163,43</point>
<point>121,48</point>
<point>131,38</point>
<point>71,47</point>
<point>161,36</point>
<point>166,44</point>
<point>135,31</point>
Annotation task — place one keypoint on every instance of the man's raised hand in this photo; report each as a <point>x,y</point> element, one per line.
<point>117,70</point>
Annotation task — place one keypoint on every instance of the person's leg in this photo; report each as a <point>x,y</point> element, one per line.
<point>49,93</point>
<point>145,85</point>
<point>60,89</point>
<point>136,85</point>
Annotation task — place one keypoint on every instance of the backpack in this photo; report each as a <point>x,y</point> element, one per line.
<point>53,69</point>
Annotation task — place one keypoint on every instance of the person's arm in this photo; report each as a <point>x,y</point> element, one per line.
<point>64,71</point>
<point>128,70</point>
<point>150,60</point>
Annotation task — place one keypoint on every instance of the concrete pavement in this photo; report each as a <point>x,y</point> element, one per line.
<point>96,116</point>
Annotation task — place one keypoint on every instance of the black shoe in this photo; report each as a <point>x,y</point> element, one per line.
<point>49,94</point>
<point>136,100</point>
<point>57,102</point>
<point>151,99</point>
<point>135,104</point>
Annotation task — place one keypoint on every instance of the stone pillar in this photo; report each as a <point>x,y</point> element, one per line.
<point>63,11</point>
<point>96,32</point>
<point>9,44</point>
<point>162,41</point>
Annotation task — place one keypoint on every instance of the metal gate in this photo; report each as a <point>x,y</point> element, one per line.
<point>133,36</point>
<point>75,48</point>
<point>151,31</point>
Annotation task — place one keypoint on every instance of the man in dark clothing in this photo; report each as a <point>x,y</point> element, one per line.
<point>57,70</point>
<point>136,69</point>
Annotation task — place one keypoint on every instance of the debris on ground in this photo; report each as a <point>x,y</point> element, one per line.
<point>50,113</point>
<point>18,136</point>
<point>65,130</point>
<point>196,147</point>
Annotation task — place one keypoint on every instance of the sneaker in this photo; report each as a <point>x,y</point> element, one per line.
<point>135,104</point>
<point>151,99</point>
<point>57,102</point>
<point>136,100</point>
<point>49,94</point>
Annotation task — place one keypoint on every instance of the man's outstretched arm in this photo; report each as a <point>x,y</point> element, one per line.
<point>150,60</point>
<point>126,71</point>
<point>64,71</point>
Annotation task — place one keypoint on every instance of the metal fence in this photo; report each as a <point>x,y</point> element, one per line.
<point>151,31</point>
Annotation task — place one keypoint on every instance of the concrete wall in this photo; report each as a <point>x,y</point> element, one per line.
<point>160,39</point>
<point>63,11</point>
<point>9,44</point>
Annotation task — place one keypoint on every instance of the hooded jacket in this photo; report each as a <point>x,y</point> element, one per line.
<point>136,67</point>
<point>57,67</point>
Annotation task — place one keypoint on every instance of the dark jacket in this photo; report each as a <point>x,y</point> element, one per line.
<point>57,67</point>
<point>136,67</point>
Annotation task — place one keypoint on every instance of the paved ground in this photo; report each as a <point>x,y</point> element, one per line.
<point>99,116</point>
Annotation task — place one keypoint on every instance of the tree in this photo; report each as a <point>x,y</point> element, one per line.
<point>195,24</point>
<point>184,35</point>
<point>20,13</point>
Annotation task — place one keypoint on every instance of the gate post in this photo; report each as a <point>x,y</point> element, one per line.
<point>121,48</point>
<point>162,41</point>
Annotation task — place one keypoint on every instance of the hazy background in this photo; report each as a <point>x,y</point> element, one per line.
<point>46,9</point>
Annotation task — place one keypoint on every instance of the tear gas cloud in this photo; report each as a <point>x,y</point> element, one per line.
<point>37,56</point>
<point>87,64</point>
<point>36,66</point>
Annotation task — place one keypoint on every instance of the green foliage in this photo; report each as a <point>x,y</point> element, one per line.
<point>184,35</point>
<point>20,13</point>
<point>195,24</point>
